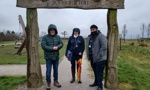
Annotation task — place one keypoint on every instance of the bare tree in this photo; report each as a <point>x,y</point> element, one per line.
<point>143,28</point>
<point>2,35</point>
<point>124,32</point>
<point>41,35</point>
<point>64,33</point>
<point>148,31</point>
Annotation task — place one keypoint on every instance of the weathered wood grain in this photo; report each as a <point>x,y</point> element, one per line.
<point>111,79</point>
<point>34,76</point>
<point>81,4</point>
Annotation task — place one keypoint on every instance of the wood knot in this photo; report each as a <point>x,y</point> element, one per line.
<point>97,0</point>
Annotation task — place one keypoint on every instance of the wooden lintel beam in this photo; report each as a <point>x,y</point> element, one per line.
<point>86,4</point>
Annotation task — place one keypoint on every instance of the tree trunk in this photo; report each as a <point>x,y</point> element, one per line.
<point>111,80</point>
<point>34,76</point>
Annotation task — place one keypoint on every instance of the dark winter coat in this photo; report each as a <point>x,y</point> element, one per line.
<point>72,45</point>
<point>99,48</point>
<point>49,41</point>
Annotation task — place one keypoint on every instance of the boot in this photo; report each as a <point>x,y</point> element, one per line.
<point>93,85</point>
<point>79,81</point>
<point>79,77</point>
<point>73,75</point>
<point>56,83</point>
<point>99,88</point>
<point>48,86</point>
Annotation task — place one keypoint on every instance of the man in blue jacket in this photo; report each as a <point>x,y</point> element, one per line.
<point>51,44</point>
<point>97,54</point>
<point>76,46</point>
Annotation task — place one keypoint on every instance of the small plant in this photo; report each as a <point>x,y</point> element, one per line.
<point>131,44</point>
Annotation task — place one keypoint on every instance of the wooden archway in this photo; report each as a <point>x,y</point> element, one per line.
<point>34,76</point>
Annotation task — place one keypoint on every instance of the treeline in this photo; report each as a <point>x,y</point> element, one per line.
<point>9,35</point>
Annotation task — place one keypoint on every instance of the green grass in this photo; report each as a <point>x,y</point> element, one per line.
<point>8,55</point>
<point>7,42</point>
<point>133,68</point>
<point>9,82</point>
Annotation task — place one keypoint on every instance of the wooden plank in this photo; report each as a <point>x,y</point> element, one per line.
<point>24,33</point>
<point>22,24</point>
<point>80,4</point>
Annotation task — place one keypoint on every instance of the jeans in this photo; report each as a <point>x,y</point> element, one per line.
<point>49,64</point>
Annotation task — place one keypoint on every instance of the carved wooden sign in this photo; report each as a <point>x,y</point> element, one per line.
<point>81,4</point>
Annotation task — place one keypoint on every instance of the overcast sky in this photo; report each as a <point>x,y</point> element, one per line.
<point>135,13</point>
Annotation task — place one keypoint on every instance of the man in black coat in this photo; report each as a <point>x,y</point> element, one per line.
<point>97,54</point>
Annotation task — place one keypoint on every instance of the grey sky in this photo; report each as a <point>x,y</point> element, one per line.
<point>135,13</point>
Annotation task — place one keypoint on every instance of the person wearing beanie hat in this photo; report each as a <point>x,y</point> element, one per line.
<point>51,44</point>
<point>97,55</point>
<point>93,26</point>
<point>76,47</point>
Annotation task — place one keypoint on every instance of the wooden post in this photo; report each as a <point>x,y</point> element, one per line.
<point>34,76</point>
<point>21,47</point>
<point>111,79</point>
<point>23,28</point>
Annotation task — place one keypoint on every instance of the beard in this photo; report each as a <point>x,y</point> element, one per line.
<point>94,33</point>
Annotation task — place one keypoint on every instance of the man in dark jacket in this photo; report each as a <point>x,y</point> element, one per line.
<point>97,54</point>
<point>76,47</point>
<point>51,44</point>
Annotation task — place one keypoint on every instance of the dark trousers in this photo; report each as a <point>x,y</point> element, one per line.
<point>98,69</point>
<point>74,60</point>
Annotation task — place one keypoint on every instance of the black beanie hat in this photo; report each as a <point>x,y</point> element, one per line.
<point>76,30</point>
<point>93,26</point>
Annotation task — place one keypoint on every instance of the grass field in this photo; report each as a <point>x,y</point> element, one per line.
<point>8,56</point>
<point>134,66</point>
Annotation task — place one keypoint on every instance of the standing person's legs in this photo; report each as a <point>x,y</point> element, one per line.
<point>93,65</point>
<point>55,68</point>
<point>55,74</point>
<point>99,72</point>
<point>73,69</point>
<point>48,72</point>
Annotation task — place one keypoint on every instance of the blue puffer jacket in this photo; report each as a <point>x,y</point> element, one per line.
<point>49,41</point>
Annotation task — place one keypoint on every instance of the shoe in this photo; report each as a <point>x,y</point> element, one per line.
<point>73,75</point>
<point>99,88</point>
<point>72,80</point>
<point>93,85</point>
<point>56,83</point>
<point>48,86</point>
<point>79,81</point>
